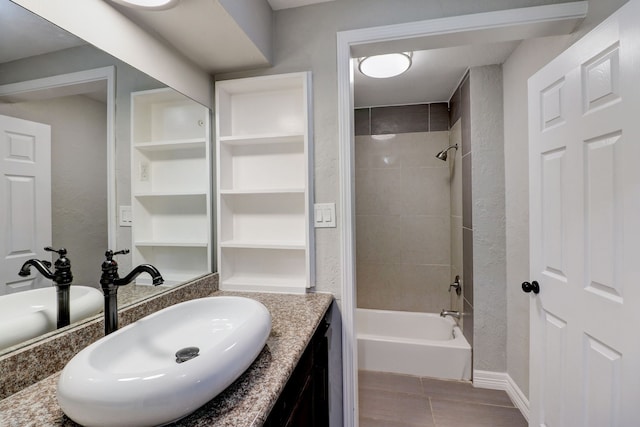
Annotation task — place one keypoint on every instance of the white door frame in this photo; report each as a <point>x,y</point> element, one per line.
<point>70,79</point>
<point>491,26</point>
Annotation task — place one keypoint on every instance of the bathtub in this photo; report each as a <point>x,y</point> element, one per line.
<point>420,344</point>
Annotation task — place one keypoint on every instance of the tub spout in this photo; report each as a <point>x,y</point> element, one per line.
<point>455,314</point>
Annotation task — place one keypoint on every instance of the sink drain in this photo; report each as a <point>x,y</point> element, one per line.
<point>187,353</point>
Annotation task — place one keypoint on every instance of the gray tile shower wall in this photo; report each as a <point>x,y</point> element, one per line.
<point>403,218</point>
<point>438,117</point>
<point>400,119</point>
<point>432,117</point>
<point>362,120</point>
<point>402,222</point>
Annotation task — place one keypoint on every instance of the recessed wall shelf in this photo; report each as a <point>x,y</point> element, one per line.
<point>170,183</point>
<point>186,144</point>
<point>264,191</point>
<point>262,139</point>
<point>264,183</point>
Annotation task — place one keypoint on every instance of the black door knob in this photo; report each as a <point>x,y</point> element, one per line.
<point>531,287</point>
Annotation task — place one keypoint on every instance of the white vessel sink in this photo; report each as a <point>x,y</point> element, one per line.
<point>131,377</point>
<point>29,314</point>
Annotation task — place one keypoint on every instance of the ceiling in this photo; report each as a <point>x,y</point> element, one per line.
<point>439,63</point>
<point>433,76</point>
<point>41,37</point>
<point>214,38</point>
<point>217,42</point>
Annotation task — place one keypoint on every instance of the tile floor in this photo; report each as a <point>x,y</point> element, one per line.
<point>391,400</point>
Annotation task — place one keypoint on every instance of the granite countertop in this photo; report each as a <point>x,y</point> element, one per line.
<point>247,402</point>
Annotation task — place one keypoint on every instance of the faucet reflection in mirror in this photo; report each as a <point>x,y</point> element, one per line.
<point>110,281</point>
<point>61,276</point>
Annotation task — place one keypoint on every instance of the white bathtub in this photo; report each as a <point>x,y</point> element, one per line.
<point>420,344</point>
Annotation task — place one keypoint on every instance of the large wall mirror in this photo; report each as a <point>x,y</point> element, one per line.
<point>84,97</point>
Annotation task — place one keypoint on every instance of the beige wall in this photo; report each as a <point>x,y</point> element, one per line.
<point>402,222</point>
<point>127,80</point>
<point>488,219</point>
<point>78,177</point>
<point>305,39</point>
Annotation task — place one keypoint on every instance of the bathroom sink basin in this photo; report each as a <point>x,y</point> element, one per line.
<point>166,365</point>
<point>28,314</point>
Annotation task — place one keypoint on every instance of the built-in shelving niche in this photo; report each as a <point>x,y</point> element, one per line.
<point>170,183</point>
<point>265,239</point>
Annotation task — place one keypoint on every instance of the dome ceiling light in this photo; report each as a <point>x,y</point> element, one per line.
<point>148,4</point>
<point>385,66</point>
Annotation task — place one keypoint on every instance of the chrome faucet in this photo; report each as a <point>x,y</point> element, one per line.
<point>111,281</point>
<point>455,314</point>
<point>61,276</point>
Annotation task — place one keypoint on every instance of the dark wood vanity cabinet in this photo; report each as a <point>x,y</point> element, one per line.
<point>304,402</point>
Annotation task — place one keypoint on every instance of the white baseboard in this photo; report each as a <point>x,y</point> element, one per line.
<point>502,381</point>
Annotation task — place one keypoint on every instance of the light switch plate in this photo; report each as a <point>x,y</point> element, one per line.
<point>125,216</point>
<point>324,215</point>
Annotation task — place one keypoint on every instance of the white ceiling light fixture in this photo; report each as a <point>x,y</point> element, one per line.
<point>148,4</point>
<point>385,66</point>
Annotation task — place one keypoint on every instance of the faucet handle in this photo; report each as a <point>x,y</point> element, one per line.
<point>62,273</point>
<point>62,251</point>
<point>109,253</point>
<point>110,268</point>
<point>456,285</point>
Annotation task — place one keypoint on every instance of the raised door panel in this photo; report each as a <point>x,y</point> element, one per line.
<point>25,194</point>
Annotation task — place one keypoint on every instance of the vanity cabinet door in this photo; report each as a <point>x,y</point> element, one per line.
<point>304,401</point>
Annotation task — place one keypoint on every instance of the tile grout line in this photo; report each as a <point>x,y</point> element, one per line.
<point>472,402</point>
<point>433,415</point>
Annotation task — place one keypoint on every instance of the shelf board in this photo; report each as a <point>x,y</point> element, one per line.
<point>158,243</point>
<point>256,244</point>
<point>176,144</point>
<point>274,138</point>
<point>172,194</point>
<point>264,284</point>
<point>264,191</point>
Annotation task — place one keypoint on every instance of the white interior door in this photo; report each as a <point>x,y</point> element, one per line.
<point>584,128</point>
<point>25,197</point>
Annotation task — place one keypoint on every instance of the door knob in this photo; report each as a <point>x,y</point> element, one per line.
<point>531,287</point>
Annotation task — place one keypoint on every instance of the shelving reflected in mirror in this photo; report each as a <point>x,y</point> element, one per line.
<point>80,193</point>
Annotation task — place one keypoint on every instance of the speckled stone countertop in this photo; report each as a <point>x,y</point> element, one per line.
<point>247,402</point>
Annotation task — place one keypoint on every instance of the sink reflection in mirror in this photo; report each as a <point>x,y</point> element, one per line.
<point>90,141</point>
<point>166,365</point>
<point>26,315</point>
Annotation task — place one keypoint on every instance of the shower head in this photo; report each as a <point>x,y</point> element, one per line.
<point>443,154</point>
